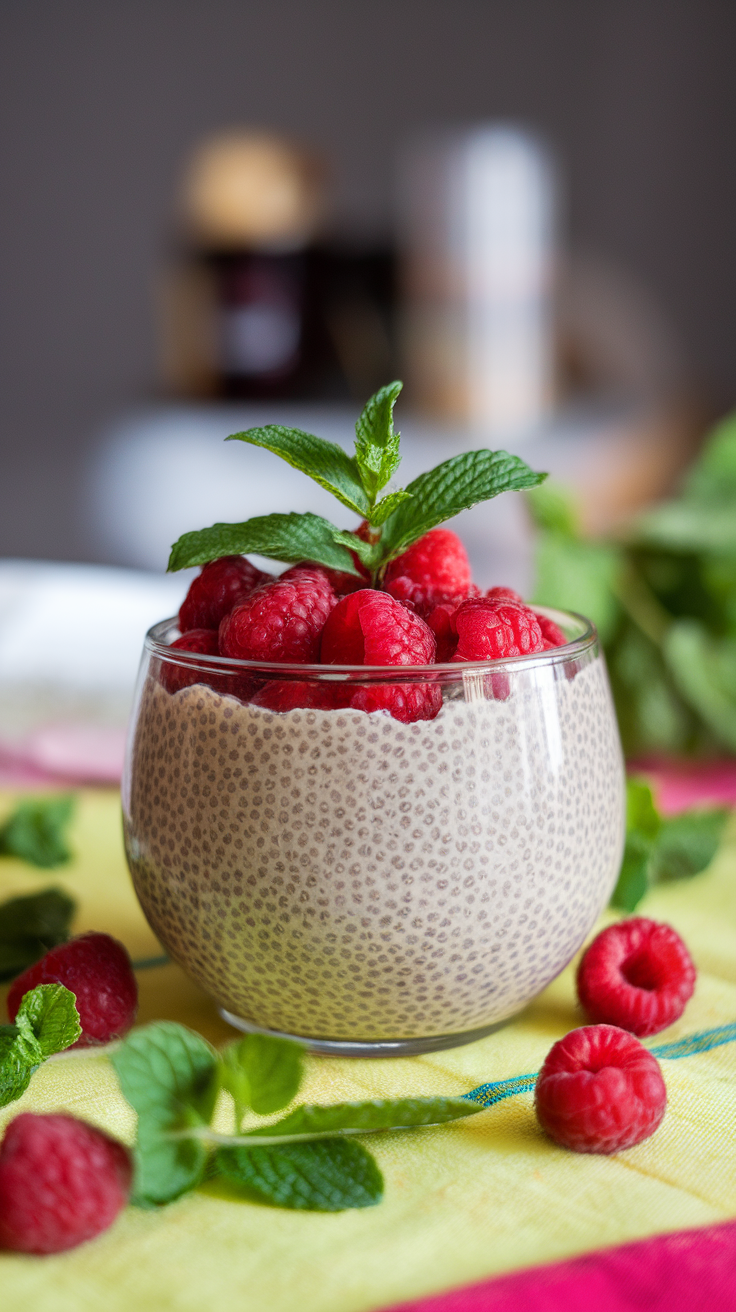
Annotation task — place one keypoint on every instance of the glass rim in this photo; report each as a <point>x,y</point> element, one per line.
<point>374,673</point>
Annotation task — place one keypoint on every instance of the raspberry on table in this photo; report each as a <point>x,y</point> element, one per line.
<point>433,570</point>
<point>371,628</point>
<point>599,1091</point>
<point>62,1182</point>
<point>97,970</point>
<point>551,632</point>
<point>222,584</point>
<point>489,631</point>
<point>637,974</point>
<point>282,620</point>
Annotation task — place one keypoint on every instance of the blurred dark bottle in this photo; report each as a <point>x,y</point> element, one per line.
<point>256,302</point>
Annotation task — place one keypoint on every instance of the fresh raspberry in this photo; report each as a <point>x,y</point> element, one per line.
<point>97,970</point>
<point>552,635</point>
<point>440,622</point>
<point>371,628</point>
<point>503,594</point>
<point>222,584</point>
<point>431,571</point>
<point>599,1091</point>
<point>282,620</point>
<point>205,641</point>
<point>489,631</point>
<point>61,1182</point>
<point>636,974</point>
<point>294,695</point>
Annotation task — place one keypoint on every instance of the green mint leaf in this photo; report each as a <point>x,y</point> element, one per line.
<point>323,461</point>
<point>687,843</point>
<point>15,1068</point>
<point>682,526</point>
<point>387,505</point>
<point>633,880</point>
<point>376,443</point>
<point>30,926</point>
<point>455,485</point>
<point>169,1075</point>
<point>364,1117</point>
<point>48,1017</point>
<point>704,671</point>
<point>47,1022</point>
<point>35,832</point>
<point>641,813</point>
<point>262,1072</point>
<point>330,1175</point>
<point>291,538</point>
<point>713,476</point>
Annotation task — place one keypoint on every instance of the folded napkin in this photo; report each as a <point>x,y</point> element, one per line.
<point>463,1203</point>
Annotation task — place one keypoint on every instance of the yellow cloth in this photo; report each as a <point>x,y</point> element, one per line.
<point>463,1202</point>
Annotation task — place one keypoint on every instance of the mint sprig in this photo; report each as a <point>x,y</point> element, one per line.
<point>36,831</point>
<point>47,1022</point>
<point>661,848</point>
<point>308,1159</point>
<point>395,519</point>
<point>30,926</point>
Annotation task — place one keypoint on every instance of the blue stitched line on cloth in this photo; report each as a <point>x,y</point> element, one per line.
<point>489,1094</point>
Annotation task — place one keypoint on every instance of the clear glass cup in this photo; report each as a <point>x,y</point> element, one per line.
<point>368,885</point>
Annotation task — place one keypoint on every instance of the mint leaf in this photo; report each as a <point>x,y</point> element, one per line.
<point>553,509</point>
<point>323,461</point>
<point>47,1022</point>
<point>48,1017</point>
<point>580,576</point>
<point>289,538</point>
<point>688,526</point>
<point>376,443</point>
<point>169,1075</point>
<point>687,843</point>
<point>262,1072</point>
<point>455,485</point>
<point>633,879</point>
<point>35,832</point>
<point>30,926</point>
<point>365,1117</point>
<point>328,1176</point>
<point>387,505</point>
<point>641,813</point>
<point>704,671</point>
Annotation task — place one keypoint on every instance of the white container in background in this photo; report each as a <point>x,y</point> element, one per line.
<point>478,227</point>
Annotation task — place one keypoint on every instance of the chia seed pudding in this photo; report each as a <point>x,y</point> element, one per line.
<point>342,876</point>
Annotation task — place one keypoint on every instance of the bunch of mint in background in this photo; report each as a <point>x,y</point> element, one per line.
<point>663,597</point>
<point>661,848</point>
<point>47,1022</point>
<point>395,518</point>
<point>36,833</point>
<point>308,1160</point>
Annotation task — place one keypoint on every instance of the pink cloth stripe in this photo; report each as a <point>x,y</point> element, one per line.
<point>691,1271</point>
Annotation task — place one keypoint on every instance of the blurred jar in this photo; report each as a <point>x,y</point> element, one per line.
<point>478,234</point>
<point>256,304</point>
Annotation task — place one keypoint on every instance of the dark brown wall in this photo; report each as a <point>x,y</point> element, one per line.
<point>100,101</point>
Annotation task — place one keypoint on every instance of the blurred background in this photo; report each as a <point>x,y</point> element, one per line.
<point>222,212</point>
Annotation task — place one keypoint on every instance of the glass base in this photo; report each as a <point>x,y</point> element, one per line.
<point>371,1047</point>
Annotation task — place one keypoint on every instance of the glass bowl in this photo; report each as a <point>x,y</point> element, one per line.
<point>365,884</point>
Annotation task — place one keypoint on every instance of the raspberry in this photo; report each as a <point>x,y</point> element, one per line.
<point>371,628</point>
<point>293,695</point>
<point>440,622</point>
<point>489,631</point>
<point>636,974</point>
<point>282,620</point>
<point>599,1091</point>
<point>174,677</point>
<point>431,571</point>
<point>222,584</point>
<point>551,634</point>
<point>97,970</point>
<point>503,594</point>
<point>61,1182</point>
